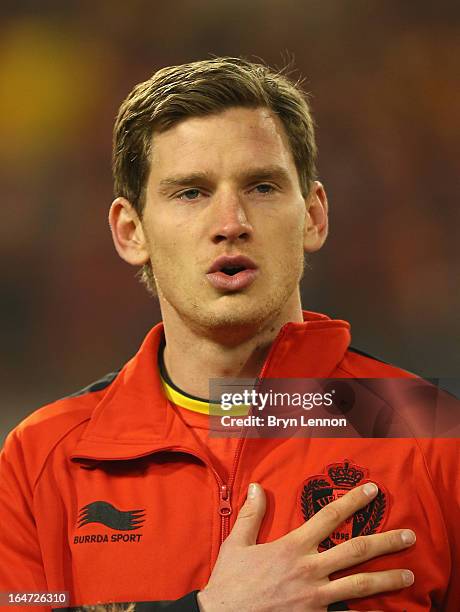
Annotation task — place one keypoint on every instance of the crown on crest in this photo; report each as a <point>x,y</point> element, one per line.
<point>345,474</point>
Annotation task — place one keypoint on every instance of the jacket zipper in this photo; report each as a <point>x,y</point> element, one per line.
<point>225,508</point>
<point>225,490</point>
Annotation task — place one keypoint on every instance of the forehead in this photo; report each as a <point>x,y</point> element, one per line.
<point>225,142</point>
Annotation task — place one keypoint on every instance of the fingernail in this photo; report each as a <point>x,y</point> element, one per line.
<point>408,537</point>
<point>252,490</point>
<point>370,489</point>
<point>408,577</point>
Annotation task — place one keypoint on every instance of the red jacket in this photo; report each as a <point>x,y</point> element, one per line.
<point>106,494</point>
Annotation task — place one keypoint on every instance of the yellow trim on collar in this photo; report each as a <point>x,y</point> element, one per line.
<point>196,405</point>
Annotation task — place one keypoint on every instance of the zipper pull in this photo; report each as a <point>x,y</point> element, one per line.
<point>225,508</point>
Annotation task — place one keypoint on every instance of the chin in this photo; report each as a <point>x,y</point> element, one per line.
<point>235,317</point>
<point>230,318</point>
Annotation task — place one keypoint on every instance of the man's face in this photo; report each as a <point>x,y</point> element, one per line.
<point>224,219</point>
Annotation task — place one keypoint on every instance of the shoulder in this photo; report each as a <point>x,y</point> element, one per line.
<point>430,412</point>
<point>357,363</point>
<point>63,421</point>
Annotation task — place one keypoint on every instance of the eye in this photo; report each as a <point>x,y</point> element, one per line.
<point>189,195</point>
<point>264,188</point>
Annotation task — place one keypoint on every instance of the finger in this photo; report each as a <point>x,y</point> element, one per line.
<point>247,525</point>
<point>362,585</point>
<point>363,548</point>
<point>323,523</point>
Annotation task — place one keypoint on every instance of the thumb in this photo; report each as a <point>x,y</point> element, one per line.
<point>247,525</point>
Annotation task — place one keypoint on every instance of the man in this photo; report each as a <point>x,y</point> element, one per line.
<point>118,494</point>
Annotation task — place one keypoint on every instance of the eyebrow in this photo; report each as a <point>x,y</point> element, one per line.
<point>274,172</point>
<point>183,180</point>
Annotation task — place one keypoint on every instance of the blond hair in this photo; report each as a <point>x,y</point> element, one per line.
<point>197,89</point>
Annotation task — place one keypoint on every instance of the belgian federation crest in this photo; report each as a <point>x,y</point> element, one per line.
<point>320,490</point>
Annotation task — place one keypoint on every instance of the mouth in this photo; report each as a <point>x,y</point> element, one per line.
<point>232,272</point>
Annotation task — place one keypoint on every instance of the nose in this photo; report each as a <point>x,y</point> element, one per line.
<point>229,219</point>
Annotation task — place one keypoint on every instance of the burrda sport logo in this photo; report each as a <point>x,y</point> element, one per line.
<point>107,514</point>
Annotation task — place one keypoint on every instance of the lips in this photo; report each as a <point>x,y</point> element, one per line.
<point>232,272</point>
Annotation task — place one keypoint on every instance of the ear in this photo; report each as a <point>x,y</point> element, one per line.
<point>127,233</point>
<point>316,219</point>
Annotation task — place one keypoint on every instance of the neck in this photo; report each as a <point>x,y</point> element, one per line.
<point>193,356</point>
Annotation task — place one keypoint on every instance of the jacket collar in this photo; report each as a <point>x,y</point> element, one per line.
<point>134,418</point>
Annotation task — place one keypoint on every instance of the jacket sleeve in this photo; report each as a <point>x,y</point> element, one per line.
<point>21,565</point>
<point>188,603</point>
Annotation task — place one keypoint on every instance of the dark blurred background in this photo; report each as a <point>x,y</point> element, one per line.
<point>384,80</point>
